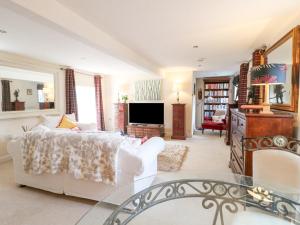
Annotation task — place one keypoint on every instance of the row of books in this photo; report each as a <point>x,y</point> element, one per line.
<point>217,86</point>
<point>216,100</point>
<point>216,93</point>
<point>208,114</point>
<point>215,107</point>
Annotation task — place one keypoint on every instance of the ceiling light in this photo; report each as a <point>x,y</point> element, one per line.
<point>3,31</point>
<point>195,46</point>
<point>201,60</point>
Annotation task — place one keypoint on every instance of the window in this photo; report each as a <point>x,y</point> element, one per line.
<point>86,101</point>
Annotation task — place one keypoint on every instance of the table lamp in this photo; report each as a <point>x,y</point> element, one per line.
<point>177,88</point>
<point>268,74</point>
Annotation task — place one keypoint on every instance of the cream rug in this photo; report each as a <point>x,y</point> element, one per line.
<point>172,158</point>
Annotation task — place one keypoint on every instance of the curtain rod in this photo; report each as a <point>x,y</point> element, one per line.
<point>80,71</point>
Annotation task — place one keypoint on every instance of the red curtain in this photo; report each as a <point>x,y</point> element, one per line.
<point>71,100</point>
<point>99,103</point>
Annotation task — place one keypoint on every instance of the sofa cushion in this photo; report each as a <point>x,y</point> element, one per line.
<point>66,122</point>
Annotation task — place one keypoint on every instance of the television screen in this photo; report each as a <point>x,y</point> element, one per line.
<point>147,113</point>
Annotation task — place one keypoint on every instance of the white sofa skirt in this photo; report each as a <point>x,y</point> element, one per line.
<point>132,166</point>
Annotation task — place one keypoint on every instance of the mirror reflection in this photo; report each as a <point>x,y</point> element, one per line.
<point>26,90</point>
<point>281,93</point>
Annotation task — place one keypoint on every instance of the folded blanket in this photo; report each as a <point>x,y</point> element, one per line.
<point>89,156</point>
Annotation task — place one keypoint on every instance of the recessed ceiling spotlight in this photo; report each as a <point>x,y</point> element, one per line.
<point>3,31</point>
<point>195,46</point>
<point>201,60</point>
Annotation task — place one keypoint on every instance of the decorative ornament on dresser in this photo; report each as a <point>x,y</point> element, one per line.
<point>125,98</point>
<point>16,94</point>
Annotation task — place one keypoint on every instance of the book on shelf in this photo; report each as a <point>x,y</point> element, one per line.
<point>215,107</point>
<point>216,100</point>
<point>217,86</point>
<point>216,93</point>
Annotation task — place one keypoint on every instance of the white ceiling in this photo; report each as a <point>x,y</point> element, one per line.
<point>226,31</point>
<point>28,37</point>
<point>159,33</point>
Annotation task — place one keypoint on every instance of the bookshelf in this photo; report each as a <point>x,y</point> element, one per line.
<point>216,94</point>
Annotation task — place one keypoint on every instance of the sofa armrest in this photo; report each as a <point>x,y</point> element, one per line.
<point>151,148</point>
<point>13,147</point>
<point>139,160</point>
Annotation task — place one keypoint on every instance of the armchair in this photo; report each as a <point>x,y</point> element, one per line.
<point>215,123</point>
<point>276,162</point>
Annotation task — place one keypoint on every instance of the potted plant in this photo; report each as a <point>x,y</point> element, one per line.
<point>16,94</point>
<point>124,98</point>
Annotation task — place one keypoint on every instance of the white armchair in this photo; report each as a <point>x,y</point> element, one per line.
<point>276,166</point>
<point>276,163</point>
<point>277,169</point>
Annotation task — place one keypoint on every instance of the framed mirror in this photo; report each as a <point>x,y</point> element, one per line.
<point>26,91</point>
<point>286,51</point>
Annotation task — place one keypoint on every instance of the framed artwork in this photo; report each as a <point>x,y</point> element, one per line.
<point>29,91</point>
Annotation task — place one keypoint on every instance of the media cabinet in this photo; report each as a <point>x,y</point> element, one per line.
<point>142,130</point>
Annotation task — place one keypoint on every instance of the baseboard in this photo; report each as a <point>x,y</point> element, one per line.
<point>5,158</point>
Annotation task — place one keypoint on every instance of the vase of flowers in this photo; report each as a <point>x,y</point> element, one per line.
<point>124,98</point>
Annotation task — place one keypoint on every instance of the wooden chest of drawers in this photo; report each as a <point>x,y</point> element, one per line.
<point>121,116</point>
<point>250,125</point>
<point>178,125</point>
<point>17,106</point>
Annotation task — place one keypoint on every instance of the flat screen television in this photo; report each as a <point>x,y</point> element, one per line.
<point>146,113</point>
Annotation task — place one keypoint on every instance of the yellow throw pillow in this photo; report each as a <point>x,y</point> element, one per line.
<point>66,123</point>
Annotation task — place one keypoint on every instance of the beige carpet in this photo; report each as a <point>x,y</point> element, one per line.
<point>172,158</point>
<point>26,206</point>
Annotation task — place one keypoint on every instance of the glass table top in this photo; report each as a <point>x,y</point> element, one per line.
<point>190,197</point>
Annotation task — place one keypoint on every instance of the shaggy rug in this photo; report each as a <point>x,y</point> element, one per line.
<point>172,158</point>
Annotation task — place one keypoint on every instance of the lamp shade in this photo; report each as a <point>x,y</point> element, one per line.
<point>268,74</point>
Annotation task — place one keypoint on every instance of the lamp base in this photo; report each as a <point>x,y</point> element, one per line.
<point>266,109</point>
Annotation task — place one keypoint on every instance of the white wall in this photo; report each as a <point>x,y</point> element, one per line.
<point>169,96</point>
<point>199,103</point>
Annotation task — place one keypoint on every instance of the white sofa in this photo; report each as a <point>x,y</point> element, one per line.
<point>132,165</point>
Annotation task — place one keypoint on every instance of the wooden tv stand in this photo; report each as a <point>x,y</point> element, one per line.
<point>142,130</point>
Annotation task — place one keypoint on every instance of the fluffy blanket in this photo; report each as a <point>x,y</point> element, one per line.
<point>89,156</point>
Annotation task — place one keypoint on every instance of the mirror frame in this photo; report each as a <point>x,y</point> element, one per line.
<point>295,35</point>
<point>29,65</point>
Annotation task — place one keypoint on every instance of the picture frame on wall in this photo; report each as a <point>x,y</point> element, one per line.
<point>29,91</point>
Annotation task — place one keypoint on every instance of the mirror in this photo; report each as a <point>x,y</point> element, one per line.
<point>282,93</point>
<point>25,90</point>
<point>286,51</point>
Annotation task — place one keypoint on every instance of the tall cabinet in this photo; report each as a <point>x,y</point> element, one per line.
<point>178,127</point>
<point>121,116</point>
